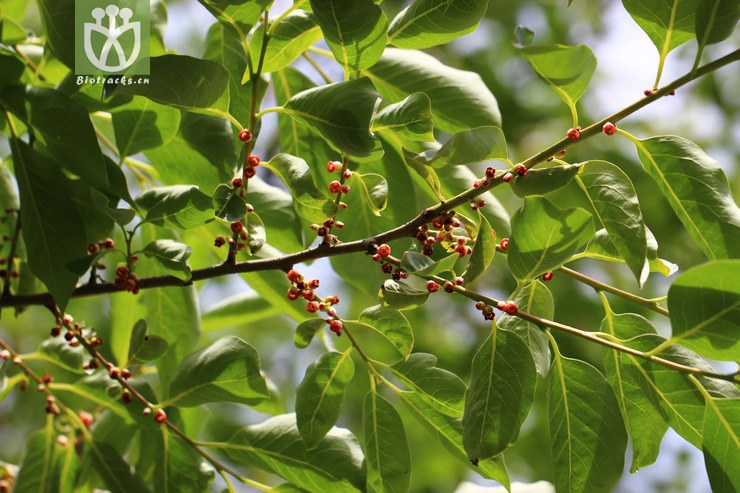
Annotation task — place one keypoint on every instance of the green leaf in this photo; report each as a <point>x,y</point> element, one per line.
<point>667,24</point>
<point>715,20</point>
<point>177,466</point>
<point>11,69</point>
<point>125,313</point>
<point>53,230</point>
<point>114,471</point>
<point>449,432</point>
<point>227,204</point>
<point>483,251</point>
<point>470,146</point>
<point>697,190</point>
<point>425,172</point>
<point>171,255</point>
<point>334,466</point>
<point>256,231</point>
<point>177,206</point>
<point>541,181</point>
<point>184,82</point>
<point>388,457</point>
<point>704,307</point>
<point>566,69</point>
<point>721,444</point>
<point>213,138</point>
<point>68,357</point>
<point>543,237</point>
<point>289,38</point>
<point>306,331</point>
<point>237,16</point>
<point>441,389</point>
<point>355,31</point>
<point>499,396</point>
<point>237,311</point>
<point>226,371</point>
<point>309,201</point>
<point>143,124</point>
<point>535,299</point>
<point>319,395</point>
<point>341,113</point>
<point>59,21</point>
<point>586,430</point>
<point>427,23</point>
<point>603,248</point>
<point>66,130</point>
<point>421,265</point>
<point>145,347</point>
<point>391,325</point>
<point>275,207</point>
<point>460,99</point>
<point>376,190</point>
<point>638,401</point>
<point>37,469</point>
<point>614,199</point>
<point>410,119</point>
<point>401,296</point>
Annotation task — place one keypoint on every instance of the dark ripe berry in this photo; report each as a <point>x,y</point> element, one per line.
<point>510,308</point>
<point>92,248</point>
<point>294,275</point>
<point>109,243</point>
<point>292,295</point>
<point>488,313</point>
<point>126,396</point>
<point>114,373</point>
<point>387,268</point>
<point>547,276</point>
<point>160,416</point>
<point>329,223</point>
<point>253,161</point>
<point>609,128</point>
<point>86,418</point>
<point>237,182</point>
<point>520,169</point>
<point>335,187</point>
<point>93,364</point>
<point>479,305</point>
<point>122,272</point>
<point>485,182</point>
<point>574,134</point>
<point>55,331</point>
<point>312,307</point>
<point>504,244</point>
<point>126,373</point>
<point>333,166</point>
<point>69,335</point>
<point>347,174</point>
<point>459,281</point>
<point>648,92</point>
<point>461,250</point>
<point>480,203</point>
<point>490,172</point>
<point>249,172</point>
<point>243,235</point>
<point>47,378</point>
<point>384,250</point>
<point>322,231</point>
<point>96,341</point>
<point>432,286</point>
<point>236,227</point>
<point>508,177</point>
<point>672,93</point>
<point>345,189</point>
<point>437,223</point>
<point>245,135</point>
<point>449,287</point>
<point>336,327</point>
<point>396,275</point>
<point>428,250</point>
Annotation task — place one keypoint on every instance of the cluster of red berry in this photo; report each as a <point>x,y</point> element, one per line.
<point>302,288</point>
<point>519,170</point>
<point>381,255</point>
<point>126,279</point>
<point>449,286</point>
<point>508,307</point>
<point>325,230</point>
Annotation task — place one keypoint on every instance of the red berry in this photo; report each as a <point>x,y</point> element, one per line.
<point>160,416</point>
<point>336,326</point>
<point>109,243</point>
<point>122,272</point>
<point>449,287</point>
<point>253,161</point>
<point>459,281</point>
<point>504,244</point>
<point>609,128</point>
<point>574,134</point>
<point>347,174</point>
<point>312,307</point>
<point>490,172</point>
<point>476,184</point>
<point>236,227</point>
<point>520,169</point>
<point>561,154</point>
<point>308,295</point>
<point>219,241</point>
<point>294,275</point>
<point>332,166</point>
<point>508,177</point>
<point>237,182</point>
<point>86,418</point>
<point>249,172</point>
<point>479,305</point>
<point>428,250</point>
<point>292,295</point>
<point>384,250</point>
<point>335,187</point>
<point>126,373</point>
<point>511,308</point>
<point>126,396</point>
<point>648,92</point>
<point>91,248</point>
<point>47,378</point>
<point>4,354</point>
<point>345,189</point>
<point>245,135</point>
<point>432,286</point>
<point>386,268</point>
<point>114,373</point>
<point>547,276</point>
